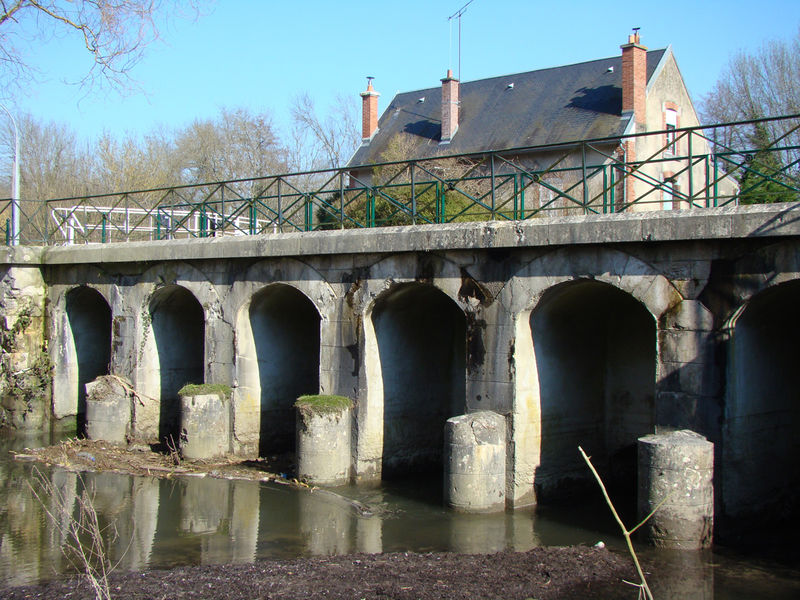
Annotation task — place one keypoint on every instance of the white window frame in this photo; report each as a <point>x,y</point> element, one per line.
<point>671,124</point>
<point>668,192</point>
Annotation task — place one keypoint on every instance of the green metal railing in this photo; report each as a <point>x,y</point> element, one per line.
<point>691,167</point>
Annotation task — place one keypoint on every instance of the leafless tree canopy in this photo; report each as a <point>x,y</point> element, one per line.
<point>114,33</point>
<point>763,84</point>
<point>324,141</point>
<point>236,144</point>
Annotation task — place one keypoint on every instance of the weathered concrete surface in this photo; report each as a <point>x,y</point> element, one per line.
<point>475,468</point>
<point>109,410</point>
<point>676,471</point>
<point>323,446</point>
<point>204,426</point>
<point>24,363</point>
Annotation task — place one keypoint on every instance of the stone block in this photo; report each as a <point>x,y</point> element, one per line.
<point>323,445</point>
<point>205,426</point>
<point>108,409</point>
<point>475,462</point>
<point>676,472</point>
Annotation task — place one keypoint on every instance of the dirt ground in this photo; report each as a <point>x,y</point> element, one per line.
<point>574,572</point>
<point>541,573</point>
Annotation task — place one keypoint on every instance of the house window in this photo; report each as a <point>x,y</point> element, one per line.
<point>671,123</point>
<point>669,189</point>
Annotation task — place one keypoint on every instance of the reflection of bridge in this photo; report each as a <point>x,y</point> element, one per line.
<point>588,330</point>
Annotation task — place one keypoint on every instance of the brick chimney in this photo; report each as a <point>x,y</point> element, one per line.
<point>449,107</point>
<point>634,77</point>
<point>369,111</point>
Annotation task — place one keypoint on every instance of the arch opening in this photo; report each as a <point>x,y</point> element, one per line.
<point>89,317</point>
<point>595,351</point>
<point>761,448</point>
<point>286,332</point>
<point>178,323</point>
<point>421,338</point>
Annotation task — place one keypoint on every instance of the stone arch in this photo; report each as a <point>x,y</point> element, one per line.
<point>381,279</point>
<point>760,448</point>
<point>629,280</point>
<point>84,349</point>
<point>185,301</point>
<point>748,276</point>
<point>316,295</point>
<point>595,357</point>
<point>417,375</point>
<point>284,325</point>
<point>177,322</point>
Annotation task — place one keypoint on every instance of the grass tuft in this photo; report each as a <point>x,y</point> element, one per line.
<point>321,404</point>
<point>199,389</point>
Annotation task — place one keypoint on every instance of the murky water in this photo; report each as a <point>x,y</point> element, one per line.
<point>152,523</point>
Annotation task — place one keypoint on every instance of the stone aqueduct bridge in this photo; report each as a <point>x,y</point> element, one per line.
<point>590,330</point>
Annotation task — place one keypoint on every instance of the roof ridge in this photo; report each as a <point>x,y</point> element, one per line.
<point>575,64</point>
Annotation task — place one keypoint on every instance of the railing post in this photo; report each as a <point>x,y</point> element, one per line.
<point>583,176</point>
<point>716,180</point>
<point>8,232</point>
<point>280,207</point>
<point>522,196</point>
<point>439,201</point>
<point>341,199</point>
<point>158,224</point>
<point>307,202</point>
<point>515,213</point>
<point>413,195</point>
<point>127,221</point>
<point>691,173</point>
<point>253,220</point>
<point>493,182</point>
<point>103,229</point>
<point>708,183</point>
<point>612,189</point>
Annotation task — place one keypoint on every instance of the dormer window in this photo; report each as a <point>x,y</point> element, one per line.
<point>671,124</point>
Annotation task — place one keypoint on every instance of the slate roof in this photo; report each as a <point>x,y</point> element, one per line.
<point>559,104</point>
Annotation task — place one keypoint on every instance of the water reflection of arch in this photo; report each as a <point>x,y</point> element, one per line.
<point>84,329</point>
<point>760,447</point>
<point>627,295</point>
<point>414,358</point>
<point>283,310</point>
<point>175,322</point>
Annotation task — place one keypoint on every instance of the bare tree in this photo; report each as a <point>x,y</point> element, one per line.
<point>53,163</point>
<point>765,83</point>
<point>115,34</point>
<point>323,141</point>
<point>236,145</point>
<point>130,164</point>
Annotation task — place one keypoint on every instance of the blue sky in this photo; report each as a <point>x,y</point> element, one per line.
<point>261,54</point>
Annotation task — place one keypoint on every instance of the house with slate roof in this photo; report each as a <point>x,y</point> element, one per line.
<point>545,112</point>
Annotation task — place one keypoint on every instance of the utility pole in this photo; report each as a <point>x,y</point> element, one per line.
<point>14,237</point>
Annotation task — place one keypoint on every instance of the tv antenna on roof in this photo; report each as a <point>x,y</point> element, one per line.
<point>457,15</point>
